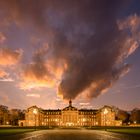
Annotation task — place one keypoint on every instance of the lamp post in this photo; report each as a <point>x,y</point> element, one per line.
<point>35,111</point>
<point>135,122</point>
<point>105,113</point>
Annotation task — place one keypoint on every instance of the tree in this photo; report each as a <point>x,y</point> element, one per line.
<point>135,116</point>
<point>15,116</point>
<point>4,115</point>
<point>123,115</point>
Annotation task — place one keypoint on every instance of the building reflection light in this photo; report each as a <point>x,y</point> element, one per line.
<point>35,112</point>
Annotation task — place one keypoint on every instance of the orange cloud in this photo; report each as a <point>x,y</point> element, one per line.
<point>9,57</point>
<point>40,76</point>
<point>30,81</point>
<point>41,72</point>
<point>132,22</point>
<point>33,95</point>
<point>84,104</point>
<point>4,76</point>
<point>3,73</point>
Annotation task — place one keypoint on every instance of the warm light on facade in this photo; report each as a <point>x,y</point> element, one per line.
<point>84,119</point>
<point>105,111</point>
<point>35,111</point>
<point>71,117</point>
<point>135,122</point>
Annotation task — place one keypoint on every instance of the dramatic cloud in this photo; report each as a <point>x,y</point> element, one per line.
<point>40,73</point>
<point>4,76</point>
<point>2,73</point>
<point>7,79</point>
<point>87,43</point>
<point>9,57</point>
<point>84,104</point>
<point>33,95</point>
<point>132,26</point>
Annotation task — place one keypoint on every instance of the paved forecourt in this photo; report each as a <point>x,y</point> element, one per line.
<point>71,134</point>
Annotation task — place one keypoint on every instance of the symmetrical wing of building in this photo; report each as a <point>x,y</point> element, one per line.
<point>70,117</point>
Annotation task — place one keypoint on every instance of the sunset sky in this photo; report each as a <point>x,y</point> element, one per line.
<point>55,50</point>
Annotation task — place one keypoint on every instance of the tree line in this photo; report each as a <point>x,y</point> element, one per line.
<point>10,117</point>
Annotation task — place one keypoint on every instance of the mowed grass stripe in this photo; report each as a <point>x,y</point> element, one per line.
<point>125,130</point>
<point>7,132</point>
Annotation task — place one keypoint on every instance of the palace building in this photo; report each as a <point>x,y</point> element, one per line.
<point>70,117</point>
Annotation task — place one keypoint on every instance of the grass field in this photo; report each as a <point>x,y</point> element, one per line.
<point>11,131</point>
<point>122,129</point>
<point>126,130</point>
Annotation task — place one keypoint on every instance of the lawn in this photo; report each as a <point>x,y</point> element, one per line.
<point>10,131</point>
<point>126,130</point>
<point>120,129</point>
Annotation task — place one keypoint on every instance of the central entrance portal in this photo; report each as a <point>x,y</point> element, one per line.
<point>70,116</point>
<point>69,124</point>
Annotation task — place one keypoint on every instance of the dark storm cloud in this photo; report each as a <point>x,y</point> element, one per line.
<point>38,67</point>
<point>85,34</point>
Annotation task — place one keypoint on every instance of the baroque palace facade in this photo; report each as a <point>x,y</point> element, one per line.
<point>70,117</point>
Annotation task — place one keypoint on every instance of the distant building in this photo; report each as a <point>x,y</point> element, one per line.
<point>70,117</point>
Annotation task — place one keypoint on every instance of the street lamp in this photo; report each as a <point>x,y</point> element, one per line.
<point>135,122</point>
<point>35,111</point>
<point>105,113</point>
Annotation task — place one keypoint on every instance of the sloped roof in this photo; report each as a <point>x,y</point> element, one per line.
<point>106,106</point>
<point>70,108</point>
